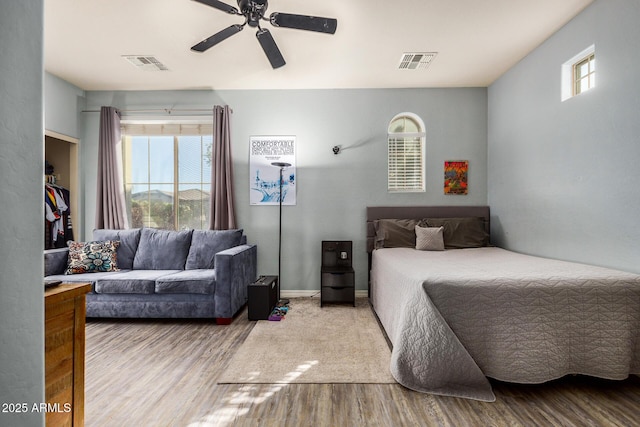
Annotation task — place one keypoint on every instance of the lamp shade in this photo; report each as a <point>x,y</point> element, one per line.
<point>281,164</point>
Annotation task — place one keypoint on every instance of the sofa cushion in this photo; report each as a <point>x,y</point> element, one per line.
<point>131,282</point>
<point>129,240</point>
<point>92,257</point>
<point>205,244</point>
<point>55,261</point>
<point>187,282</point>
<point>162,249</point>
<point>83,277</point>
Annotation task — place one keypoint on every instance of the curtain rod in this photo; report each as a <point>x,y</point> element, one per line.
<point>163,110</point>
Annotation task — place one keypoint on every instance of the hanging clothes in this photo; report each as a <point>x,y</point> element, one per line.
<point>66,218</point>
<point>58,228</point>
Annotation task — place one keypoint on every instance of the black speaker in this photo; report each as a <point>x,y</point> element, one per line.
<point>263,297</point>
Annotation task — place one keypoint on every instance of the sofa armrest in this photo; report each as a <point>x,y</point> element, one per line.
<point>236,268</point>
<point>55,261</point>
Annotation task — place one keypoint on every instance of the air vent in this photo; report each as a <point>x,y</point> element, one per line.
<point>145,62</point>
<point>416,60</point>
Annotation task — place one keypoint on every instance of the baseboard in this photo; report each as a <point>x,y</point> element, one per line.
<point>360,293</point>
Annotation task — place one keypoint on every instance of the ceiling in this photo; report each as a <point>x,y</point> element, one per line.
<point>476,41</point>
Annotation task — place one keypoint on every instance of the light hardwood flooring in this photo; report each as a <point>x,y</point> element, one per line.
<point>163,373</point>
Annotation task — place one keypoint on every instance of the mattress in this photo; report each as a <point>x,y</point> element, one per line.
<point>459,316</point>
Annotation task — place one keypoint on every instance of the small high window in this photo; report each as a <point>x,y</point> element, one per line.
<point>406,153</point>
<point>584,74</point>
<point>579,73</point>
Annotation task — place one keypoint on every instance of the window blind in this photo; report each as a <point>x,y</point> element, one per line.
<point>172,129</point>
<point>405,164</point>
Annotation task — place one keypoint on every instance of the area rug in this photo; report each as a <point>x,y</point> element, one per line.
<point>314,345</point>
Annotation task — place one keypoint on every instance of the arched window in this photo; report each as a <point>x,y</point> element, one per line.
<point>406,153</point>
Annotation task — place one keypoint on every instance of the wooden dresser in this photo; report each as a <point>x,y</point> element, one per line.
<point>64,342</point>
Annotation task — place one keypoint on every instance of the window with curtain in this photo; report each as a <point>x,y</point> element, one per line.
<point>406,154</point>
<point>167,175</point>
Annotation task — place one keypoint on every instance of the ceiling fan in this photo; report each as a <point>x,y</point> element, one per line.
<point>254,11</point>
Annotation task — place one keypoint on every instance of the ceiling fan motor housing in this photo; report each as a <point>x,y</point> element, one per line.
<point>254,10</point>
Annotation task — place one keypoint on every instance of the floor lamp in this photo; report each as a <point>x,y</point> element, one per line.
<point>280,165</point>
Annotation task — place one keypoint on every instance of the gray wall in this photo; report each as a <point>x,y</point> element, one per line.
<point>62,104</point>
<point>333,191</point>
<point>21,163</point>
<point>563,176</point>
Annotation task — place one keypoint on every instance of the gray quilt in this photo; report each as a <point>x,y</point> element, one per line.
<point>459,316</point>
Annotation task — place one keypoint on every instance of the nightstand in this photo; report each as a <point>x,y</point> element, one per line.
<point>337,278</point>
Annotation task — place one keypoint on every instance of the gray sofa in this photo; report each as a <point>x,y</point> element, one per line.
<point>166,274</point>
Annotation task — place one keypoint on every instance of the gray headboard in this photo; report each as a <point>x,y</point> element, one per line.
<point>419,212</point>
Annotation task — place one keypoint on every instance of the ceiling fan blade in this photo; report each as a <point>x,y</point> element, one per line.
<point>217,38</point>
<point>220,6</point>
<point>270,48</point>
<point>304,22</point>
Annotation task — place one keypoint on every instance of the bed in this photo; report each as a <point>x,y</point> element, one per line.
<point>458,316</point>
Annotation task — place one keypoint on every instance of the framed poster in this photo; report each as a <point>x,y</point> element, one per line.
<point>264,177</point>
<point>455,176</point>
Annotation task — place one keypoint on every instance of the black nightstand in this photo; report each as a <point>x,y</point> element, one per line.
<point>337,281</point>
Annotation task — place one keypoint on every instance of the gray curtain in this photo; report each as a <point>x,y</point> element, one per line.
<point>222,214</point>
<point>111,211</point>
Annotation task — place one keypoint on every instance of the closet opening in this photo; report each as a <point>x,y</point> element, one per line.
<point>61,177</point>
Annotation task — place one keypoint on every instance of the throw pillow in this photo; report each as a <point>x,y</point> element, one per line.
<point>92,257</point>
<point>128,239</point>
<point>430,238</point>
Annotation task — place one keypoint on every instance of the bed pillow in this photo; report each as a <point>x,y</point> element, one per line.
<point>429,238</point>
<point>395,233</point>
<point>460,233</point>
<point>92,257</point>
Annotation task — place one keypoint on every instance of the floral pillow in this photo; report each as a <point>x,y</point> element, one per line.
<point>92,257</point>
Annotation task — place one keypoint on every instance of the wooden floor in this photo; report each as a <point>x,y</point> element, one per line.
<point>163,373</point>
